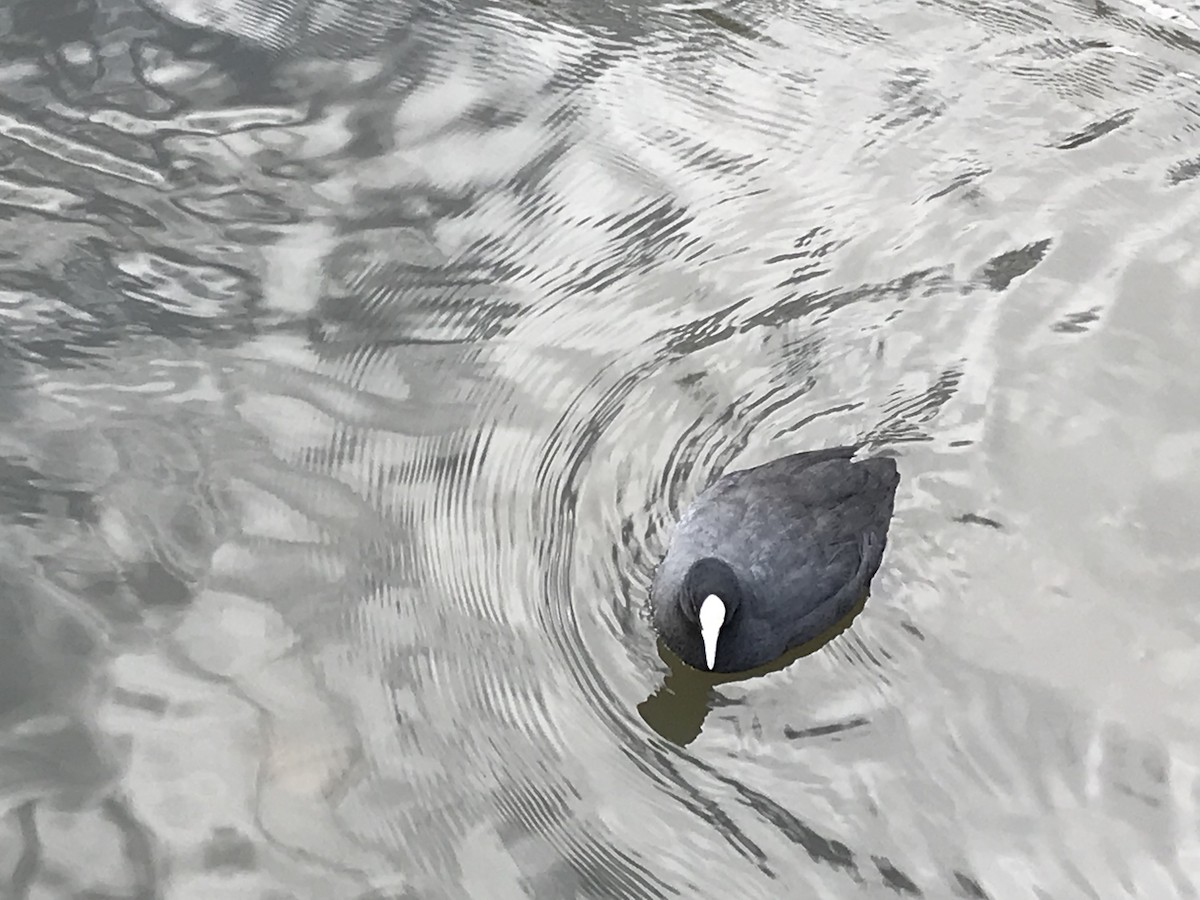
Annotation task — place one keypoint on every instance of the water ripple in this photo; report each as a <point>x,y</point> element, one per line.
<point>367,353</point>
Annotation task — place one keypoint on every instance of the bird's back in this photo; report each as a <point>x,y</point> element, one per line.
<point>801,531</point>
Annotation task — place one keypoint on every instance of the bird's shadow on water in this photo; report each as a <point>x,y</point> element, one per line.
<point>676,711</point>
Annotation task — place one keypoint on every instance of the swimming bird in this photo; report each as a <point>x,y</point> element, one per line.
<point>768,558</point>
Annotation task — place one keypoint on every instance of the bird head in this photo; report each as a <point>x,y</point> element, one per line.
<point>711,596</point>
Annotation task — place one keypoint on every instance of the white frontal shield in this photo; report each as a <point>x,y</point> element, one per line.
<point>712,617</point>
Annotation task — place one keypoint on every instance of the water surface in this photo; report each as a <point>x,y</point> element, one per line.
<point>358,358</point>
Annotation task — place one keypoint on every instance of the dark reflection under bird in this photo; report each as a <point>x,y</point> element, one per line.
<point>677,710</point>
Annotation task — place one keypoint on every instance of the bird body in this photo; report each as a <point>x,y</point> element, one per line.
<point>788,548</point>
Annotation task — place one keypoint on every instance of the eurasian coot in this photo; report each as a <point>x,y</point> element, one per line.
<point>768,558</point>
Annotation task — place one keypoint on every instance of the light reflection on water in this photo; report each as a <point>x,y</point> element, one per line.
<point>358,358</point>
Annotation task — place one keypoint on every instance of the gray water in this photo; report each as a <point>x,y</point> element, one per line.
<point>359,357</point>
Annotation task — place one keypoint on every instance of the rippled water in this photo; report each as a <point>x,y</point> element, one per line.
<point>359,357</point>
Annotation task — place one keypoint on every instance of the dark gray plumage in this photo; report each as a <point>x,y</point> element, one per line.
<point>789,546</point>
